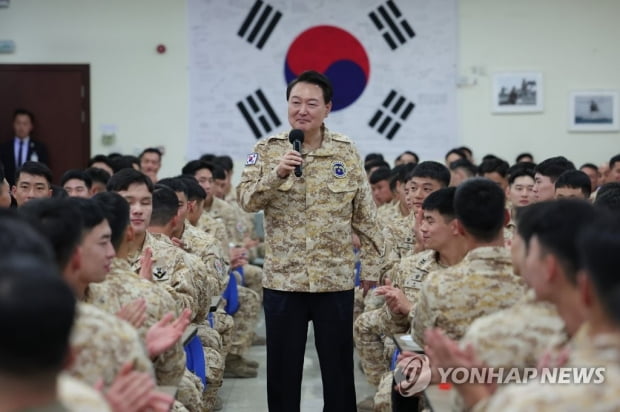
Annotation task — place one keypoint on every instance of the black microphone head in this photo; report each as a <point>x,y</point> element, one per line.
<point>296,134</point>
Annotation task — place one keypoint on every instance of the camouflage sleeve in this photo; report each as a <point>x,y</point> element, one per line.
<point>424,315</point>
<point>258,183</point>
<point>200,284</point>
<point>183,292</point>
<point>364,223</point>
<point>170,365</point>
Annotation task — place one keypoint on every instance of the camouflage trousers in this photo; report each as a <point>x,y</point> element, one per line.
<point>245,321</point>
<point>190,392</point>
<point>253,279</point>
<point>224,324</point>
<point>369,332</point>
<point>363,304</point>
<point>383,397</point>
<point>358,302</point>
<point>215,377</point>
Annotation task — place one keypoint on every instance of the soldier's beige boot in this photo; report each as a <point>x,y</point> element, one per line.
<point>237,368</point>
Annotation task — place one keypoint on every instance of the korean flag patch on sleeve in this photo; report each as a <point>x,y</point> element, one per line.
<point>252,159</point>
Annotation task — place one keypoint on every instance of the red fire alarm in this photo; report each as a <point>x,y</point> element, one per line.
<point>161,49</point>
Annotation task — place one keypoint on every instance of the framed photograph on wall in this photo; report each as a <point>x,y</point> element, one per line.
<point>517,92</point>
<point>593,111</point>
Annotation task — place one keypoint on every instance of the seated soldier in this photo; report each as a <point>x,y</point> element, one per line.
<point>77,183</point>
<point>608,197</point>
<point>589,310</point>
<point>106,348</point>
<point>545,175</point>
<point>593,173</point>
<point>573,183</point>
<point>33,180</point>
<point>444,248</point>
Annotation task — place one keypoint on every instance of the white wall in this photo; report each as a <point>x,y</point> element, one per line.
<point>133,87</point>
<point>572,42</point>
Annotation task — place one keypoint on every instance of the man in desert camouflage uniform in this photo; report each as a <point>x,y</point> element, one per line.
<point>443,302</point>
<point>445,248</point>
<point>553,244</point>
<point>308,269</point>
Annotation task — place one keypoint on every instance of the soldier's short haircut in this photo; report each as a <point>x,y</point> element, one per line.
<point>556,225</point>
<point>431,170</point>
<point>373,156</point>
<point>151,150</point>
<point>608,197</point>
<point>523,155</point>
<point>78,175</point>
<point>441,201</point>
<point>218,172</point>
<point>176,184</point>
<point>410,153</point>
<point>59,221</point>
<point>165,205</point>
<point>399,174</point>
<point>116,211</point>
<point>313,77</point>
<point>479,204</point>
<point>375,163</point>
<point>124,162</point>
<point>225,162</point>
<point>99,159</point>
<point>194,190</point>
<point>465,165</point>
<point>456,151</point>
<point>97,175</point>
<point>382,173</point>
<point>496,165</point>
<point>191,168</point>
<point>123,179</point>
<point>554,167</point>
<point>575,179</point>
<point>38,308</point>
<point>17,236</point>
<point>614,160</point>
<point>516,172</point>
<point>91,212</point>
<point>598,247</point>
<point>589,166</point>
<point>35,169</point>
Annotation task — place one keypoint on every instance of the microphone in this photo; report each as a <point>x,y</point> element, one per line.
<point>296,137</point>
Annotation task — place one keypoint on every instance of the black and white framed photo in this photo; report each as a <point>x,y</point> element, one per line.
<point>593,111</point>
<point>517,92</point>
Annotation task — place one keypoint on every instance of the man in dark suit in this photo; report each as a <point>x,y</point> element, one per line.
<point>22,147</point>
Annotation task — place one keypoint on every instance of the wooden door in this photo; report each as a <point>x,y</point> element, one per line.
<point>58,96</point>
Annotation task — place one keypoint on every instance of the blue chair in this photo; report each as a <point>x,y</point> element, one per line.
<point>195,359</point>
<point>231,294</point>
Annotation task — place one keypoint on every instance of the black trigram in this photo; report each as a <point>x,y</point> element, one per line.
<point>262,24</point>
<point>257,111</point>
<point>388,117</point>
<point>391,24</point>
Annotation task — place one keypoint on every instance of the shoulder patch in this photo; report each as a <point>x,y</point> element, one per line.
<point>252,159</point>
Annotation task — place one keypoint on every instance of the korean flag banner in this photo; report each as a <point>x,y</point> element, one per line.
<point>392,65</point>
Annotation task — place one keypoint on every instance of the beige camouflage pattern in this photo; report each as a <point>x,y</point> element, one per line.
<point>452,298</point>
<point>399,238</point>
<point>103,343</point>
<point>372,328</point>
<point>191,392</point>
<point>121,287</point>
<point>515,337</point>
<point>309,219</point>
<point>387,212</point>
<point>215,376</point>
<point>585,351</point>
<point>180,273</point>
<point>245,320</point>
<point>216,228</point>
<point>224,324</point>
<point>222,212</point>
<point>76,396</point>
<point>383,397</point>
<point>209,250</point>
<point>253,279</point>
